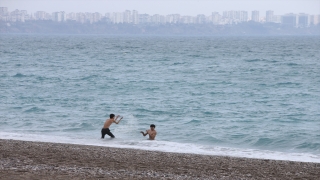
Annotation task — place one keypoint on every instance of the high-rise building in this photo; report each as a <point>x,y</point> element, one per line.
<point>186,19</point>
<point>59,16</point>
<point>81,17</point>
<point>173,18</point>
<point>108,17</point>
<point>127,17</point>
<point>17,15</point>
<point>216,17</point>
<point>176,18</point>
<point>24,14</point>
<point>314,19</point>
<point>277,19</point>
<point>117,17</point>
<point>243,16</point>
<point>289,20</point>
<point>201,19</point>
<point>255,16</point>
<point>155,19</point>
<point>144,18</point>
<point>72,16</point>
<point>63,16</point>
<point>163,19</point>
<point>303,20</point>
<point>40,15</point>
<point>169,19</point>
<point>135,17</point>
<point>231,17</point>
<point>269,16</point>
<point>96,17</point>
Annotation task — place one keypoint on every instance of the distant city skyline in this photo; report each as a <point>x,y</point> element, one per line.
<point>300,20</point>
<point>186,7</point>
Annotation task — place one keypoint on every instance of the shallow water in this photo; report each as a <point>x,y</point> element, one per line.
<point>238,96</point>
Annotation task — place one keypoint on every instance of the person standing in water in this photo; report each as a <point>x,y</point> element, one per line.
<point>152,132</point>
<point>105,130</point>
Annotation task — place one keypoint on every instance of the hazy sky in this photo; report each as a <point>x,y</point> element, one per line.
<point>164,7</point>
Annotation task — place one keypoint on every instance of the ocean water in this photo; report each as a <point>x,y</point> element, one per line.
<point>256,97</point>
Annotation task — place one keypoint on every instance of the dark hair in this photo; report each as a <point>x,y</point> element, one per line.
<point>152,125</point>
<point>111,116</point>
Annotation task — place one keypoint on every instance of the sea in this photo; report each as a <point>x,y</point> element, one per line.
<point>238,96</point>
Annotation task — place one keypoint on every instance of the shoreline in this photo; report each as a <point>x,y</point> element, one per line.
<point>42,160</point>
<point>174,147</point>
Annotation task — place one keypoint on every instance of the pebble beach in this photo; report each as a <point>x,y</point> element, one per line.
<point>41,160</point>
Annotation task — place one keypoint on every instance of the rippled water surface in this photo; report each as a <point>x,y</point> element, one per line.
<point>207,95</point>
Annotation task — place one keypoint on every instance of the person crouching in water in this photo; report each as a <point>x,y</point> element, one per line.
<point>152,132</point>
<point>105,130</point>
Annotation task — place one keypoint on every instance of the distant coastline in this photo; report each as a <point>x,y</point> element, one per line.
<point>242,29</point>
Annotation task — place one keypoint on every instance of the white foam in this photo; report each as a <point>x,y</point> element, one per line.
<point>166,146</point>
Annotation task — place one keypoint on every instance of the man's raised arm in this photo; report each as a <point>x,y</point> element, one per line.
<point>118,121</point>
<point>144,134</point>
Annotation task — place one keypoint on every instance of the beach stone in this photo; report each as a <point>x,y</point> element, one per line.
<point>90,162</point>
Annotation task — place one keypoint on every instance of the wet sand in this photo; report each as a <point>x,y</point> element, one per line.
<point>39,160</point>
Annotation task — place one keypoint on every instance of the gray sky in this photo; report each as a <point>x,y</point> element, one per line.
<point>164,7</point>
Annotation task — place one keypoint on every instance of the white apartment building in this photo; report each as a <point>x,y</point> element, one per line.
<point>56,16</point>
<point>269,16</point>
<point>201,19</point>
<point>290,20</point>
<point>243,16</point>
<point>303,20</point>
<point>81,18</point>
<point>255,16</point>
<point>117,17</point>
<point>216,18</point>
<point>135,17</point>
<point>163,19</point>
<point>16,16</point>
<point>59,16</point>
<point>230,17</point>
<point>127,17</point>
<point>72,16</point>
<point>155,19</point>
<point>41,15</point>
<point>173,18</point>
<point>315,19</point>
<point>96,17</point>
<point>187,20</point>
<point>144,18</point>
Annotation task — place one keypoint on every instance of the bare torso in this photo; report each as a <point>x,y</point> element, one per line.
<point>152,134</point>
<point>108,123</point>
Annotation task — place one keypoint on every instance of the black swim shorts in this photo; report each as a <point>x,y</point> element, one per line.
<point>105,131</point>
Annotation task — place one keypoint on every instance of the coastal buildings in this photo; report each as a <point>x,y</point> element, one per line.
<point>289,20</point>
<point>301,20</point>
<point>255,16</point>
<point>314,19</point>
<point>59,16</point>
<point>216,18</point>
<point>269,16</point>
<point>233,17</point>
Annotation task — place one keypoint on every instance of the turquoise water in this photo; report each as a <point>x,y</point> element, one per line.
<point>236,96</point>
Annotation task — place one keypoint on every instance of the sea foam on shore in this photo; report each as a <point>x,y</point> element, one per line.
<point>165,146</point>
